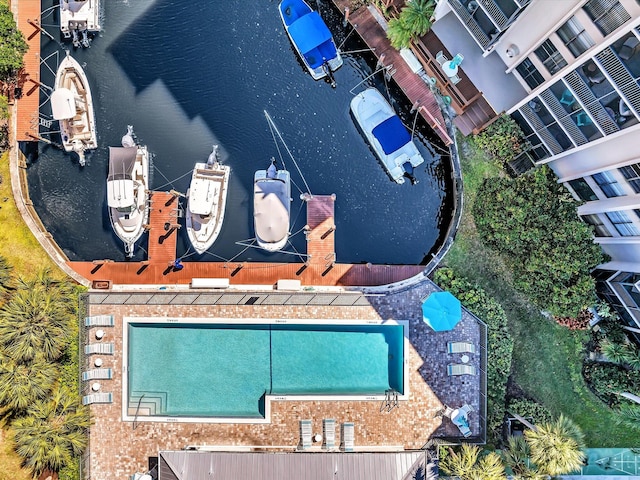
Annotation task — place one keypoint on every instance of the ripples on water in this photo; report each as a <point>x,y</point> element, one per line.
<point>188,81</point>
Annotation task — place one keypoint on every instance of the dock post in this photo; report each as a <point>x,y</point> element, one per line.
<point>346,17</point>
<point>380,61</point>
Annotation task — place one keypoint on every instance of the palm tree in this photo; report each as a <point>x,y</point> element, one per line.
<point>36,319</point>
<point>399,33</point>
<point>516,456</point>
<point>556,448</point>
<point>52,433</point>
<point>23,384</point>
<point>629,415</point>
<point>417,15</point>
<point>614,351</point>
<point>468,465</point>
<point>6,277</point>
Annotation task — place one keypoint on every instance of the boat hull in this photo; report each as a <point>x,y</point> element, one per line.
<point>130,226</point>
<point>272,209</point>
<point>78,129</point>
<point>204,225</point>
<point>370,110</point>
<point>290,12</point>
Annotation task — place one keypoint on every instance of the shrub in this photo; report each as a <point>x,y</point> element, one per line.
<point>529,408</point>
<point>502,141</point>
<point>607,380</point>
<point>499,342</point>
<point>531,221</point>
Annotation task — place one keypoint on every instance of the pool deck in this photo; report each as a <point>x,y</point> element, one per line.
<point>117,449</point>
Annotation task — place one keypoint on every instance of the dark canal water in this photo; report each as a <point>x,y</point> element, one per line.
<point>187,75</point>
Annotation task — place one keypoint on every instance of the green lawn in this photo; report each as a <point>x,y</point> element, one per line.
<point>547,358</point>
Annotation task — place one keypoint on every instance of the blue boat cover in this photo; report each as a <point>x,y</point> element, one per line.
<point>392,134</point>
<point>309,32</point>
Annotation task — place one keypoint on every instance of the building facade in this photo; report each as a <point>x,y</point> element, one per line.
<point>577,68</point>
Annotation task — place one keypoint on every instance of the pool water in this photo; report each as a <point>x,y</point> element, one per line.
<point>224,370</point>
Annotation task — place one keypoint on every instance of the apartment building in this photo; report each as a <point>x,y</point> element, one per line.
<point>568,72</point>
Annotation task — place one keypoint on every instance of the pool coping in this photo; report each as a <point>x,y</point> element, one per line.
<point>126,417</point>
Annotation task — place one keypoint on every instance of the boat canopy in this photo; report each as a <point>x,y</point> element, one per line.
<point>120,185</point>
<point>271,212</point>
<point>309,32</point>
<point>391,134</point>
<point>63,104</point>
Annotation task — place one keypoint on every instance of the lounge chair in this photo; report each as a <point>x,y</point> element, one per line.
<point>97,398</point>
<point>454,369</point>
<point>305,434</point>
<point>329,433</point>
<point>101,348</point>
<point>461,347</point>
<point>97,374</point>
<point>99,321</point>
<point>347,436</point>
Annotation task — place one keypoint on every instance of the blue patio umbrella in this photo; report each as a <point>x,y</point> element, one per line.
<point>441,311</point>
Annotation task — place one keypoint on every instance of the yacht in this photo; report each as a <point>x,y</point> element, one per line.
<point>78,19</point>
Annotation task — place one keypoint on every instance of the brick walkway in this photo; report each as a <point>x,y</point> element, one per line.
<point>117,450</point>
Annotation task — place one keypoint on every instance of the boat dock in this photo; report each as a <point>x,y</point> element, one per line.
<point>320,268</point>
<point>368,23</point>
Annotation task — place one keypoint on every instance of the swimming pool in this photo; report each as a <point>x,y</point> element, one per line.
<point>210,368</point>
<point>610,462</point>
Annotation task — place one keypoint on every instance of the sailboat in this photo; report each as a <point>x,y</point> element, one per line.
<point>72,106</point>
<point>127,190</point>
<point>311,38</point>
<point>272,207</point>
<point>206,202</point>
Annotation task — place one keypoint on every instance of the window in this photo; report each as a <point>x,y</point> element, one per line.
<point>608,184</point>
<point>599,229</point>
<point>550,57</point>
<point>530,73</point>
<point>623,224</point>
<point>583,190</point>
<point>607,15</point>
<point>574,37</point>
<point>632,174</point>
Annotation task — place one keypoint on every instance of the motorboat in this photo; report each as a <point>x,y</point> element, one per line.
<point>78,19</point>
<point>271,207</point>
<point>72,106</point>
<point>128,190</point>
<point>206,201</point>
<point>387,135</point>
<point>311,38</point>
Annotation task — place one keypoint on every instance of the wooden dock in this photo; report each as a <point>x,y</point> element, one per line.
<point>320,269</point>
<point>27,95</point>
<point>366,21</point>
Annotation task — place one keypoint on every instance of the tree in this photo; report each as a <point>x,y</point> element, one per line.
<point>52,433</point>
<point>469,465</point>
<point>35,320</point>
<point>516,457</point>
<point>414,21</point>
<point>417,15</point>
<point>532,222</point>
<point>23,384</point>
<point>12,44</point>
<point>556,447</point>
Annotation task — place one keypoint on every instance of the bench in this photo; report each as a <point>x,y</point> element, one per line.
<point>209,283</point>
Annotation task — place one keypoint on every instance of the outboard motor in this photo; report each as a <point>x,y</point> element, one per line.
<point>75,40</point>
<point>327,70</point>
<point>408,169</point>
<point>85,39</point>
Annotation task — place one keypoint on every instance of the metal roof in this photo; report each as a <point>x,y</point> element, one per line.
<point>190,465</point>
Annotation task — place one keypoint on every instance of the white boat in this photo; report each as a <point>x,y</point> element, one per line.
<point>127,190</point>
<point>206,202</point>
<point>271,207</point>
<point>79,18</point>
<point>72,106</point>
<point>311,38</point>
<point>386,134</point>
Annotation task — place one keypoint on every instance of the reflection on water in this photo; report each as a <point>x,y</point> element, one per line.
<point>188,81</point>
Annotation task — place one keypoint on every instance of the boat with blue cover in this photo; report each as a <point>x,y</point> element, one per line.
<point>311,38</point>
<point>387,135</point>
